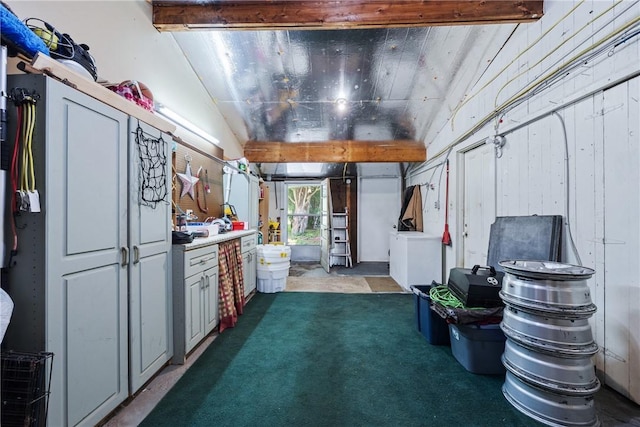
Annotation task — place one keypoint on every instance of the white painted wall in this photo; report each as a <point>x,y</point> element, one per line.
<point>126,46</point>
<point>599,104</point>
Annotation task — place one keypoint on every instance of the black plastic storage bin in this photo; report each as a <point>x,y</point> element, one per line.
<point>433,327</point>
<point>478,348</point>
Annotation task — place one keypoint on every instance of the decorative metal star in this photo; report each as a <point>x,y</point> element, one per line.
<point>188,182</point>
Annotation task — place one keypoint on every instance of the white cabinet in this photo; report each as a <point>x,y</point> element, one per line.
<point>244,193</point>
<point>150,311</point>
<point>195,297</point>
<point>414,258</point>
<point>249,263</point>
<point>89,280</point>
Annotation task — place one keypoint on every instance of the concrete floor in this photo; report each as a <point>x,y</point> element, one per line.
<point>314,269</point>
<point>613,409</point>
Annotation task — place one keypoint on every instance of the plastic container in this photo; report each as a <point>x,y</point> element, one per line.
<point>237,225</point>
<point>212,229</point>
<point>272,278</point>
<point>478,348</point>
<point>433,327</point>
<point>272,255</point>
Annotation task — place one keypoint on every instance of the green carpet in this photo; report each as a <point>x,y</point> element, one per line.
<point>323,359</point>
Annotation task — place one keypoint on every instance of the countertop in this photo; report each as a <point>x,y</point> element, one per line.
<point>200,242</point>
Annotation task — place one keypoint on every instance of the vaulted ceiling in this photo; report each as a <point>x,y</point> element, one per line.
<point>313,88</point>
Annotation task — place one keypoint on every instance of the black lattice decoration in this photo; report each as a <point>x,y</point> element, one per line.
<point>153,168</point>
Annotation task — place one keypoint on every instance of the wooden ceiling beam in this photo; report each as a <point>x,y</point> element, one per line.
<point>335,151</point>
<point>173,15</point>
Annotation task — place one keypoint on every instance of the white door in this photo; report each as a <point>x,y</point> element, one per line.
<point>622,239</point>
<point>479,204</point>
<point>86,291</point>
<point>378,211</point>
<point>150,321</point>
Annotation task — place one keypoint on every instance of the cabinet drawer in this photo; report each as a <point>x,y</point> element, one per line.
<point>200,259</point>
<point>248,242</point>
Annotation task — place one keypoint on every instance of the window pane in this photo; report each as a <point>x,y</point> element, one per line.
<point>304,214</point>
<point>310,235</point>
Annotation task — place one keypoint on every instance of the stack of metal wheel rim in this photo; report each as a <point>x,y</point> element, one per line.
<point>548,353</point>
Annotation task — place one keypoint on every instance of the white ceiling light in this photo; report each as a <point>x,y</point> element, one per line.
<point>178,120</point>
<point>341,104</point>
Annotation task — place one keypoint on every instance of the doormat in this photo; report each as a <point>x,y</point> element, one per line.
<point>383,284</point>
<point>334,284</point>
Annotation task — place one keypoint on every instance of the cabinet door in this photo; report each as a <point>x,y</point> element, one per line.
<point>395,258</point>
<point>210,299</point>
<point>84,199</point>
<point>150,312</point>
<point>253,270</point>
<point>194,311</point>
<point>254,197</point>
<point>246,272</point>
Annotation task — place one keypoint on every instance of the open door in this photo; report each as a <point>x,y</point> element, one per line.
<point>325,225</point>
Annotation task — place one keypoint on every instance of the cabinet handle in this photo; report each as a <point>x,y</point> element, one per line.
<point>202,283</point>
<point>208,283</point>
<point>136,254</point>
<point>124,251</point>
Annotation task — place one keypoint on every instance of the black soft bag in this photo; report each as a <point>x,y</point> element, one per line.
<point>62,47</point>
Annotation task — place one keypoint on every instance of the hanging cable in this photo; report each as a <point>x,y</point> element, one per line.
<point>555,49</point>
<point>31,175</point>
<point>542,83</point>
<point>567,187</point>
<point>539,85</point>
<point>584,56</point>
<point>430,184</point>
<point>24,196</point>
<point>499,73</point>
<point>14,176</point>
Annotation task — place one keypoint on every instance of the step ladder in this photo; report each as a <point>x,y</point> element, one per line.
<point>340,253</point>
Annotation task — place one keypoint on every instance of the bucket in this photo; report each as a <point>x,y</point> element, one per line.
<point>273,271</point>
<point>273,254</point>
<point>272,278</point>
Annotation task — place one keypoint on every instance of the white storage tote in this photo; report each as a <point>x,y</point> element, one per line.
<point>272,255</point>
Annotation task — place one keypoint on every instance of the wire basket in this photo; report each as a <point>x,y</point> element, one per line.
<point>26,380</point>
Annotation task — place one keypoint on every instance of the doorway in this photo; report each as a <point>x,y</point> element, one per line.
<point>479,204</point>
<point>378,212</point>
<point>303,221</point>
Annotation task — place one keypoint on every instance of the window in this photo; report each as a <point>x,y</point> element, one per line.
<point>304,214</point>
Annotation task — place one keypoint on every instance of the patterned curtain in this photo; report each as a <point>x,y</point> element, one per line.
<point>231,282</point>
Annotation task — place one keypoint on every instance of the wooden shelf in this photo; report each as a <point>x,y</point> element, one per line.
<point>44,64</point>
<point>263,213</point>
